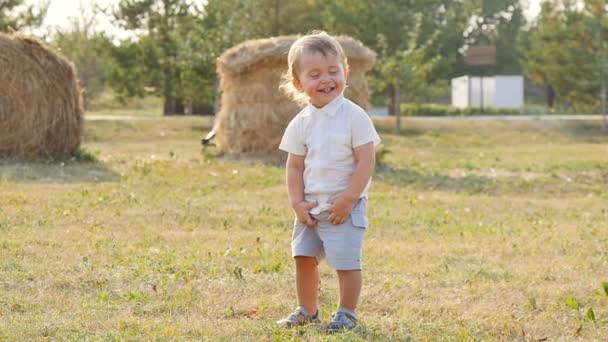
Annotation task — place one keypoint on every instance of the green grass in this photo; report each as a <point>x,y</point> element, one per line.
<point>106,103</point>
<point>479,231</point>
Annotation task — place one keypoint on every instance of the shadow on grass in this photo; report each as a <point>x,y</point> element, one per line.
<point>404,131</point>
<point>363,333</point>
<point>56,172</point>
<point>405,177</point>
<point>585,131</point>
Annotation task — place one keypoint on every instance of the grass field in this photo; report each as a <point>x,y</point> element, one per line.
<point>480,230</point>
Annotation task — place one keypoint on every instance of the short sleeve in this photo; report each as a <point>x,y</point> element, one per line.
<point>292,141</point>
<point>363,130</point>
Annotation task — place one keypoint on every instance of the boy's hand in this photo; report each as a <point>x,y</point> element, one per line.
<point>340,209</point>
<point>302,211</point>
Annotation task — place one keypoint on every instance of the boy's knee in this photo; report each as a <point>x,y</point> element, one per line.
<point>306,260</point>
<point>348,272</point>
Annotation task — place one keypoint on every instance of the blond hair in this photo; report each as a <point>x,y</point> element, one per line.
<point>316,41</point>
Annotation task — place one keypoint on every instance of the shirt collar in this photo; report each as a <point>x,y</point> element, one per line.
<point>330,109</point>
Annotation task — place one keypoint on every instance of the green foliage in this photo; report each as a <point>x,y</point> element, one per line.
<point>153,63</point>
<point>402,39</point>
<point>135,69</point>
<point>18,14</point>
<point>571,302</point>
<point>238,20</point>
<point>137,296</point>
<point>179,43</point>
<point>381,153</point>
<point>496,22</point>
<point>84,156</point>
<point>417,41</point>
<point>238,272</point>
<point>447,30</point>
<point>89,51</point>
<point>419,47</point>
<point>564,50</point>
<point>409,109</point>
<point>589,314</point>
<point>532,303</point>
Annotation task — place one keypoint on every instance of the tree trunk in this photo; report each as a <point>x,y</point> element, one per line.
<point>174,107</point>
<point>389,105</point>
<point>603,99</point>
<point>550,97</point>
<point>396,106</point>
<point>169,107</point>
<point>201,109</point>
<point>603,95</point>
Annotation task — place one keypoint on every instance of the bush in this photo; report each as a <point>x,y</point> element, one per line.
<point>410,109</point>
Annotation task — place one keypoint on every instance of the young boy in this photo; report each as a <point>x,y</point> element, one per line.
<point>331,157</point>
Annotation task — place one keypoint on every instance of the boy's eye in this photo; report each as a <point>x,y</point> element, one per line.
<point>314,75</point>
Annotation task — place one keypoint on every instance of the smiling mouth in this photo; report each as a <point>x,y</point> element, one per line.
<point>327,90</point>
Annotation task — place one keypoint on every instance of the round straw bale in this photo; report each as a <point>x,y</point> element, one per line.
<point>40,101</point>
<point>254,113</point>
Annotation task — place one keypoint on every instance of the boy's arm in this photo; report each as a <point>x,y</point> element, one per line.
<point>295,189</point>
<point>365,159</point>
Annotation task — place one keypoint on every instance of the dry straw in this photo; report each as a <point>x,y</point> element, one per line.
<point>40,101</point>
<point>254,113</point>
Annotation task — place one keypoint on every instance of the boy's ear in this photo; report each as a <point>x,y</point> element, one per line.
<point>296,83</point>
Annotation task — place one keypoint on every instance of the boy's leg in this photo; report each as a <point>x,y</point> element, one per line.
<point>350,289</point>
<point>307,283</point>
<point>307,249</point>
<point>345,317</point>
<point>343,246</point>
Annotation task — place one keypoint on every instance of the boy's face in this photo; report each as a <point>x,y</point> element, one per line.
<point>322,78</point>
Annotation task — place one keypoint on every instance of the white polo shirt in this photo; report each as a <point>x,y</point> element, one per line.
<point>326,137</point>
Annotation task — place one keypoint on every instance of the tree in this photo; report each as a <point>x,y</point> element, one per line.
<point>88,50</point>
<point>407,74</point>
<point>544,34</point>
<point>398,32</point>
<point>156,24</point>
<point>496,22</point>
<point>221,24</point>
<point>565,52</point>
<point>16,15</point>
<point>446,27</point>
<point>264,18</point>
<point>132,73</point>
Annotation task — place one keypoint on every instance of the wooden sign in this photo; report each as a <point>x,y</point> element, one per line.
<point>480,55</point>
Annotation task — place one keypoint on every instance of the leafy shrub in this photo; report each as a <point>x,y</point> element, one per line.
<point>410,109</point>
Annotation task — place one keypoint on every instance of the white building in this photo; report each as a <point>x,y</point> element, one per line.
<point>504,91</point>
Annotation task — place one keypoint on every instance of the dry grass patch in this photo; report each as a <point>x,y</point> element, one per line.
<point>172,243</point>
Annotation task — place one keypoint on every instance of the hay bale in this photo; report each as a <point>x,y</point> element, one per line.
<point>40,101</point>
<point>254,113</point>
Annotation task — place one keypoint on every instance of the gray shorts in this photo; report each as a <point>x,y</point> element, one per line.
<point>341,244</point>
